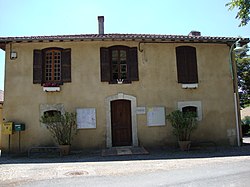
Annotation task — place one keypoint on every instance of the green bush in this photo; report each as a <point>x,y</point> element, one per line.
<point>183,123</point>
<point>61,126</point>
<point>245,122</point>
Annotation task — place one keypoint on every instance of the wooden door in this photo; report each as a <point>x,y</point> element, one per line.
<point>121,123</point>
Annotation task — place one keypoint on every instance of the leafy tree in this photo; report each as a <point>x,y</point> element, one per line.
<point>243,73</point>
<point>244,10</point>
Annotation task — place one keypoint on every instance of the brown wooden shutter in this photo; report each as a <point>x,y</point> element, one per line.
<point>37,67</point>
<point>181,64</point>
<point>192,65</point>
<point>66,65</point>
<point>133,64</point>
<point>186,64</point>
<point>105,64</point>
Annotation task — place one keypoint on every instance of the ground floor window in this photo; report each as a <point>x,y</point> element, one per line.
<point>191,106</point>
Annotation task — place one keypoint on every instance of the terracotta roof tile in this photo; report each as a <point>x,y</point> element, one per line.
<point>117,36</point>
<point>121,37</point>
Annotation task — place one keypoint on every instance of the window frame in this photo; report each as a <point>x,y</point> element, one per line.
<point>197,104</point>
<point>45,53</point>
<point>119,49</point>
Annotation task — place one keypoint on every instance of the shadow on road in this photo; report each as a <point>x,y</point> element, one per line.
<point>154,154</point>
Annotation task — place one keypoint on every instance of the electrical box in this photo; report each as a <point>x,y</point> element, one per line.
<point>19,126</point>
<point>7,128</point>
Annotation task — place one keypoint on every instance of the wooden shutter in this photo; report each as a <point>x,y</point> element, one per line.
<point>37,67</point>
<point>181,64</point>
<point>66,65</point>
<point>186,64</point>
<point>105,64</point>
<point>191,65</point>
<point>133,64</point>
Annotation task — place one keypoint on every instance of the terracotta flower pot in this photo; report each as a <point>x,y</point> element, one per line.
<point>65,149</point>
<point>184,145</point>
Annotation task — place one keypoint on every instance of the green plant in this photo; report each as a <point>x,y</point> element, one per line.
<point>61,126</point>
<point>245,122</point>
<point>183,123</point>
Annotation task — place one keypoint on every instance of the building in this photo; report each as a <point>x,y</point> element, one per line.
<point>121,86</point>
<point>1,112</point>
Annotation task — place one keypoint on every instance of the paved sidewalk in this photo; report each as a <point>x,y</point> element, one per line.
<point>154,154</point>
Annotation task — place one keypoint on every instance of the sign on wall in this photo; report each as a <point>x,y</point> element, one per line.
<point>140,110</point>
<point>86,118</point>
<point>156,116</point>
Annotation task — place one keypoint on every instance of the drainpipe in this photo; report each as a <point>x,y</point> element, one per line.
<point>236,101</point>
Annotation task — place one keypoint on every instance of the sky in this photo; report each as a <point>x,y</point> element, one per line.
<point>62,17</point>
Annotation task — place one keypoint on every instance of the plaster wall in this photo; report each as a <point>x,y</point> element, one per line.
<point>157,86</point>
<point>1,122</point>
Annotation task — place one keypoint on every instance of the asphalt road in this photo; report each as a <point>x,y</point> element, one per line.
<point>231,170</point>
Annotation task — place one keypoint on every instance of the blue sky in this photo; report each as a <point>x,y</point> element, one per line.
<point>56,17</point>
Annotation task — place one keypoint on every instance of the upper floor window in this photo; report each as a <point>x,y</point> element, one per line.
<point>186,65</point>
<point>119,64</point>
<point>52,65</point>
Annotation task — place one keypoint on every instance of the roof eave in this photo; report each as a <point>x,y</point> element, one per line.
<point>123,37</point>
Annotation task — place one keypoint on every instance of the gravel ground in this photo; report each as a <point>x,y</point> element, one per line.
<point>19,170</point>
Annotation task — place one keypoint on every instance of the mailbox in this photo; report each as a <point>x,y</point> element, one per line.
<point>7,128</point>
<point>19,127</point>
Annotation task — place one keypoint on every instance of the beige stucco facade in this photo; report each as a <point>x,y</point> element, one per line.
<point>157,86</point>
<point>1,121</point>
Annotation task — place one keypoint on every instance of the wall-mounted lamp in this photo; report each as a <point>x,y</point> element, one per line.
<point>13,55</point>
<point>238,48</point>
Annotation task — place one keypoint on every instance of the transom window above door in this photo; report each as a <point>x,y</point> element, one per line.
<point>119,64</point>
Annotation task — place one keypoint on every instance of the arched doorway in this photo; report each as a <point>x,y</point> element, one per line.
<point>125,106</point>
<point>121,126</point>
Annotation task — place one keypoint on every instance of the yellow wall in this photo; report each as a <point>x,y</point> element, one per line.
<point>1,121</point>
<point>157,86</point>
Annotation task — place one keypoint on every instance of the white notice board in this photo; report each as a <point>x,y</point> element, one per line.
<point>86,118</point>
<point>156,116</point>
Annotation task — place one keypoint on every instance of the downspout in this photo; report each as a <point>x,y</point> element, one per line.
<point>235,90</point>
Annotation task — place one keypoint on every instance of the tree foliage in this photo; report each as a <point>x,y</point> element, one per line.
<point>244,10</point>
<point>243,73</point>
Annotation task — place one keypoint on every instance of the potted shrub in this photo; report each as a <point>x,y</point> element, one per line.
<point>183,123</point>
<point>62,128</point>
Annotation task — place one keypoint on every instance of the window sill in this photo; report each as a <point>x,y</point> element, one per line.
<point>51,89</point>
<point>190,86</point>
<point>120,82</point>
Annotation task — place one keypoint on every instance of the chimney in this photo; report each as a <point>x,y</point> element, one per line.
<point>194,33</point>
<point>101,24</point>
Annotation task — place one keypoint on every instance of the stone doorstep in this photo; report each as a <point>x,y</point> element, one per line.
<point>123,151</point>
<point>119,151</point>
